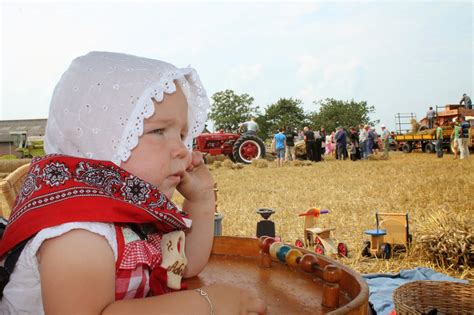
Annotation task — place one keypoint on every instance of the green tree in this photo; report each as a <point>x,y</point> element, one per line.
<point>285,112</point>
<point>333,113</point>
<point>228,109</point>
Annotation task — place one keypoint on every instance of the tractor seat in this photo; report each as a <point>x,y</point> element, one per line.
<point>317,230</point>
<point>375,232</point>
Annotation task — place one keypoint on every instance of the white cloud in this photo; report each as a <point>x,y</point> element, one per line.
<point>247,72</point>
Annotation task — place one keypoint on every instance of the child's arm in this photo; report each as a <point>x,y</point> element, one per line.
<point>77,272</point>
<point>197,188</point>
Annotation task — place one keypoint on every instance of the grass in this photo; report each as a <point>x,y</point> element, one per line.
<point>417,183</point>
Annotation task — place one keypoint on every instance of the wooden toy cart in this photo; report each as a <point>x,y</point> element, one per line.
<point>319,238</point>
<point>391,233</point>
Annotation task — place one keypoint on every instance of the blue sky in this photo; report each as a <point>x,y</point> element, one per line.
<point>398,56</point>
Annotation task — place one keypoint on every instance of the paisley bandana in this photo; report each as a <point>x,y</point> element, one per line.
<point>60,189</point>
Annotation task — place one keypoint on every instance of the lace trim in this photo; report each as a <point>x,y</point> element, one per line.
<point>198,104</point>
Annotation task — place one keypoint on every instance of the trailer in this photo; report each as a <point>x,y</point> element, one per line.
<point>420,137</point>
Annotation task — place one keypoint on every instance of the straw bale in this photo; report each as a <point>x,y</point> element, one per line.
<point>8,166</point>
<point>447,239</point>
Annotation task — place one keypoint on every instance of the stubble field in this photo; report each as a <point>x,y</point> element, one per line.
<point>417,183</point>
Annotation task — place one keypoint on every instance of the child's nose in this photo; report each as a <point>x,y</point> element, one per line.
<point>180,151</point>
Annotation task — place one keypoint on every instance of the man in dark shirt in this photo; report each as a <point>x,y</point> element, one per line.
<point>290,144</point>
<point>466,100</point>
<point>341,143</point>
<point>310,142</point>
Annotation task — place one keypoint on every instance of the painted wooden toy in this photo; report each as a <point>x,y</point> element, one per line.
<point>319,238</point>
<point>392,232</point>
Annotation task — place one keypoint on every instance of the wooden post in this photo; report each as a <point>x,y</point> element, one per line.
<point>332,275</point>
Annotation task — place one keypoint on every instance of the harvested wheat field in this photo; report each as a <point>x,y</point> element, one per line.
<point>433,191</point>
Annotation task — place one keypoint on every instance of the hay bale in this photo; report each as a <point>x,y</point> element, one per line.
<point>414,125</point>
<point>8,166</point>
<point>228,164</point>
<point>259,163</point>
<point>237,166</point>
<point>447,239</point>
<point>217,164</point>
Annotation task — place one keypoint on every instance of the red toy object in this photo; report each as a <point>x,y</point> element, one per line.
<point>314,212</point>
<point>319,238</point>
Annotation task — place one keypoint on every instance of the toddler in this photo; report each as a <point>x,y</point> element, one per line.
<point>94,230</point>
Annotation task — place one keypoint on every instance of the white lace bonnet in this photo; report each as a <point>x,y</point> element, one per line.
<point>98,107</point>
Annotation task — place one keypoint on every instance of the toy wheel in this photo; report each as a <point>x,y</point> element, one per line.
<point>342,250</point>
<point>366,249</point>
<point>299,243</point>
<point>386,250</point>
<point>319,249</point>
<point>317,241</point>
<point>248,147</point>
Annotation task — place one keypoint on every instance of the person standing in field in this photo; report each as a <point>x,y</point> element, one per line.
<point>430,114</point>
<point>439,140</point>
<point>455,139</point>
<point>466,100</point>
<point>341,143</point>
<point>290,144</point>
<point>463,138</point>
<point>322,133</point>
<point>363,141</point>
<point>354,140</point>
<point>280,145</point>
<point>310,142</point>
<point>385,140</point>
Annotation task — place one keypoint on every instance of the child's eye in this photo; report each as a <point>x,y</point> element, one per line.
<point>158,131</point>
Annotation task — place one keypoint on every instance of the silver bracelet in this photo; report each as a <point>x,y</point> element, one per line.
<point>206,296</point>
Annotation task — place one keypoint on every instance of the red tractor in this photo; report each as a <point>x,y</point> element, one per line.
<point>238,147</point>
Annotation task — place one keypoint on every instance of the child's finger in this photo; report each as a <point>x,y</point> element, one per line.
<point>197,159</point>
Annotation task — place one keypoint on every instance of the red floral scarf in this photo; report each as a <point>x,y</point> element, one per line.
<point>60,189</point>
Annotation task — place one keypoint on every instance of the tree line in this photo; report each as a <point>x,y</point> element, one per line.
<point>229,109</point>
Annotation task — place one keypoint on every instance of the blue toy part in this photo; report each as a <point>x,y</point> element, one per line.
<point>375,232</point>
<point>281,254</point>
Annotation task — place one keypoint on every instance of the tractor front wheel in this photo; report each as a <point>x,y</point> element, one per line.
<point>247,148</point>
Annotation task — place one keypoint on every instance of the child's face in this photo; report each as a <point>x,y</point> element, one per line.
<point>161,156</point>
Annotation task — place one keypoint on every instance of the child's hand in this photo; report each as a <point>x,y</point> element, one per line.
<point>230,300</point>
<point>197,183</point>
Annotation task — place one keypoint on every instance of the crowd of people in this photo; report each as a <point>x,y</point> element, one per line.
<point>356,144</point>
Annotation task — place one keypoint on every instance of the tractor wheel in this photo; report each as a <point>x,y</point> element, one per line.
<point>430,148</point>
<point>231,157</point>
<point>406,148</point>
<point>299,243</point>
<point>247,148</point>
<point>342,250</point>
<point>366,249</point>
<point>319,249</point>
<point>386,251</point>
